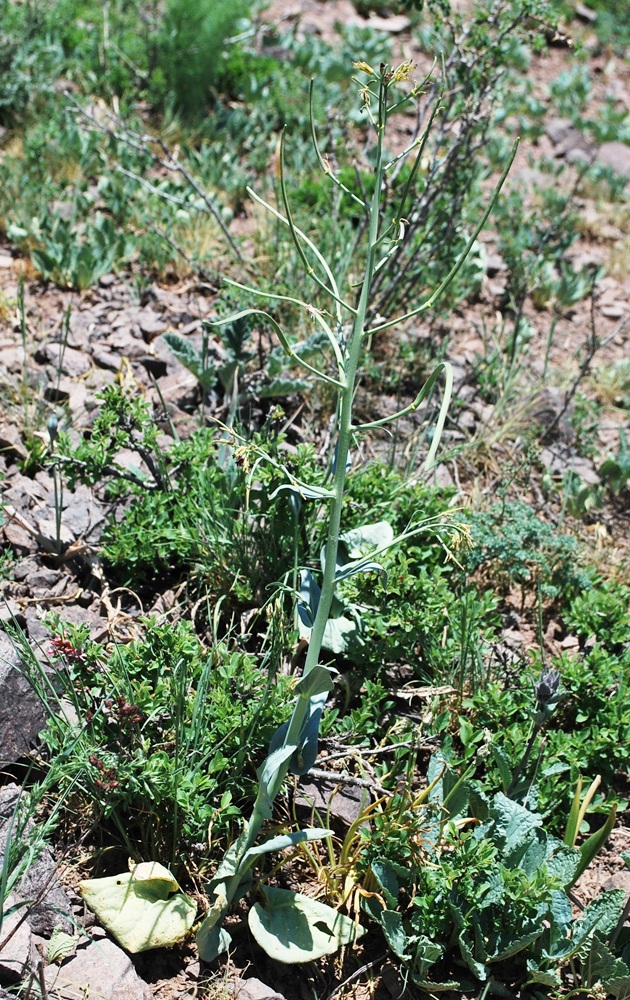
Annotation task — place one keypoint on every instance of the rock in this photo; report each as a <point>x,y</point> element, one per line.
<point>10,611</point>
<point>21,713</point>
<point>253,989</point>
<point>107,360</point>
<point>345,802</point>
<point>557,129</point>
<point>180,388</point>
<point>550,412</point>
<point>494,264</point>
<point>82,514</point>
<point>615,155</point>
<point>68,361</point>
<point>49,907</point>
<point>613,311</point>
<point>11,441</point>
<point>53,537</point>
<point>151,324</point>
<point>19,538</point>
<point>393,24</point>
<point>15,957</point>
<point>99,969</point>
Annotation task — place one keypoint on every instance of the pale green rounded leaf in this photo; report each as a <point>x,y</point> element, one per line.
<point>141,908</point>
<point>294,928</point>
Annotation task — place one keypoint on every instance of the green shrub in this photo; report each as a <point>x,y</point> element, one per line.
<point>193,47</point>
<point>160,738</point>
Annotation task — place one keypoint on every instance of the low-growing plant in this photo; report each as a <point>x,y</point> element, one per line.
<point>155,738</point>
<point>490,901</point>
<point>515,546</point>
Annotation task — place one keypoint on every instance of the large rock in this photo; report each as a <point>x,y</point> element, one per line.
<point>47,904</point>
<point>21,713</point>
<point>99,970</point>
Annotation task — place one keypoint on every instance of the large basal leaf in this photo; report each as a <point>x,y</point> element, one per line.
<point>212,941</point>
<point>601,966</point>
<point>191,359</point>
<point>294,928</point>
<point>141,908</point>
<point>511,823</point>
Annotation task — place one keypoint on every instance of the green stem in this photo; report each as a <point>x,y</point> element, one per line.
<point>346,398</point>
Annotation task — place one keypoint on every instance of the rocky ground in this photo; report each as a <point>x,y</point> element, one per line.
<point>112,336</point>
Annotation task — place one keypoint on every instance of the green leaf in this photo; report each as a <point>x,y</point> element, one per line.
<point>593,844</point>
<point>512,823</point>
<point>191,359</point>
<point>283,387</point>
<point>502,761</point>
<point>60,946</point>
<point>285,840</point>
<point>212,941</point>
<point>620,988</point>
<point>546,977</point>
<point>601,914</point>
<point>601,966</point>
<point>139,908</point>
<point>294,928</point>
<point>392,923</point>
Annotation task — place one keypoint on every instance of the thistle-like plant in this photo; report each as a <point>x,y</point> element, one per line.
<point>291,927</point>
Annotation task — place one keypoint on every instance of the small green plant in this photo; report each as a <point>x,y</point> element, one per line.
<point>514,546</point>
<point>75,263</point>
<point>488,899</point>
<point>156,737</point>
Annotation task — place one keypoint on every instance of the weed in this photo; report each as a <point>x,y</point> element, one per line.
<point>157,737</point>
<point>517,547</point>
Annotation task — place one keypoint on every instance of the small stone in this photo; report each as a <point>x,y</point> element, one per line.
<point>614,311</point>
<point>16,954</point>
<point>615,155</point>
<point>584,13</point>
<point>254,989</point>
<point>52,536</point>
<point>11,441</point>
<point>69,361</point>
<point>558,128</point>
<point>494,264</point>
<point>570,642</point>
<point>151,324</point>
<point>393,24</point>
<point>19,538</point>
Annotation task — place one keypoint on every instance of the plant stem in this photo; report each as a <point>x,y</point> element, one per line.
<point>345,402</point>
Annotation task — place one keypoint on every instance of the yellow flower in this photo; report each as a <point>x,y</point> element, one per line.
<point>364,67</point>
<point>404,71</point>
